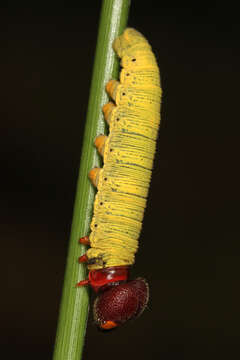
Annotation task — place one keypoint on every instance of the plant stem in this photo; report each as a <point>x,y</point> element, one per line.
<point>74,302</point>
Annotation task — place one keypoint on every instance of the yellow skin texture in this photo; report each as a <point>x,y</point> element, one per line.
<point>128,154</point>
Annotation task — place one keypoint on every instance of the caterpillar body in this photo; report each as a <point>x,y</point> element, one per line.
<point>123,182</point>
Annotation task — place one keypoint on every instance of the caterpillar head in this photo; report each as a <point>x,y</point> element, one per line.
<point>120,302</point>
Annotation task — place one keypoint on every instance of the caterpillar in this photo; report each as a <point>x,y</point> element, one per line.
<point>133,117</point>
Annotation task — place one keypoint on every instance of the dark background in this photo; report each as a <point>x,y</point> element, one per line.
<point>190,244</point>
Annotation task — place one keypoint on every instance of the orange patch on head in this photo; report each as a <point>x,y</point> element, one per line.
<point>108,325</point>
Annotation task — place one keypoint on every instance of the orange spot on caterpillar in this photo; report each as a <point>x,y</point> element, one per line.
<point>94,175</point>
<point>107,110</point>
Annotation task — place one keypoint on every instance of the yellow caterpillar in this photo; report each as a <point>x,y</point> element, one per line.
<point>128,154</point>
<point>123,183</point>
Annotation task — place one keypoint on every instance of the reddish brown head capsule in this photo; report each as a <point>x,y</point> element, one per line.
<point>120,302</point>
<point>118,298</point>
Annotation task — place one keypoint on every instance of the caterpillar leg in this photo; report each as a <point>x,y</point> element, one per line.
<point>83,283</point>
<point>94,176</point>
<point>100,143</point>
<point>83,259</point>
<point>107,111</point>
<point>111,88</point>
<point>84,240</point>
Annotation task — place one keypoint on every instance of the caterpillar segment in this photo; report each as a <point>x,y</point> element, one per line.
<point>133,116</point>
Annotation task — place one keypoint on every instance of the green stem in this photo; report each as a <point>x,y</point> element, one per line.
<point>74,303</point>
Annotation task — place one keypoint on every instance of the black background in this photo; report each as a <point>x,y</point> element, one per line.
<point>190,244</point>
